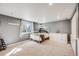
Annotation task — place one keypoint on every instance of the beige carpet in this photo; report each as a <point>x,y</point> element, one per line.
<point>12,46</point>
<point>31,48</point>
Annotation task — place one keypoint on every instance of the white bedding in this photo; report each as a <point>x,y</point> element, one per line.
<point>47,48</point>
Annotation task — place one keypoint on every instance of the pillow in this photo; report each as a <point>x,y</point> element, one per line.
<point>35,37</point>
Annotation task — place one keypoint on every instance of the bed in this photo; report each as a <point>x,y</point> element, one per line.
<point>47,48</point>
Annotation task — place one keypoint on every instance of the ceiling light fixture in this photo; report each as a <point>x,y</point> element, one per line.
<point>58,17</point>
<point>50,4</point>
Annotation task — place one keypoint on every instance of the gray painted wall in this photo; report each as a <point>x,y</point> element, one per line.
<point>10,33</point>
<point>61,26</point>
<point>35,26</point>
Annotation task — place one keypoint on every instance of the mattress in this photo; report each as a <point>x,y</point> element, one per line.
<point>46,48</point>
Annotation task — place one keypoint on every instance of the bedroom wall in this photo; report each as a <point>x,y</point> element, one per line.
<point>9,32</point>
<point>61,26</point>
<point>35,25</point>
<point>74,33</point>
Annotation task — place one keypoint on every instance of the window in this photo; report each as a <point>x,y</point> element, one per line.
<point>26,26</point>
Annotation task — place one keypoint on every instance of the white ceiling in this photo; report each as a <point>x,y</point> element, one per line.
<point>38,12</point>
